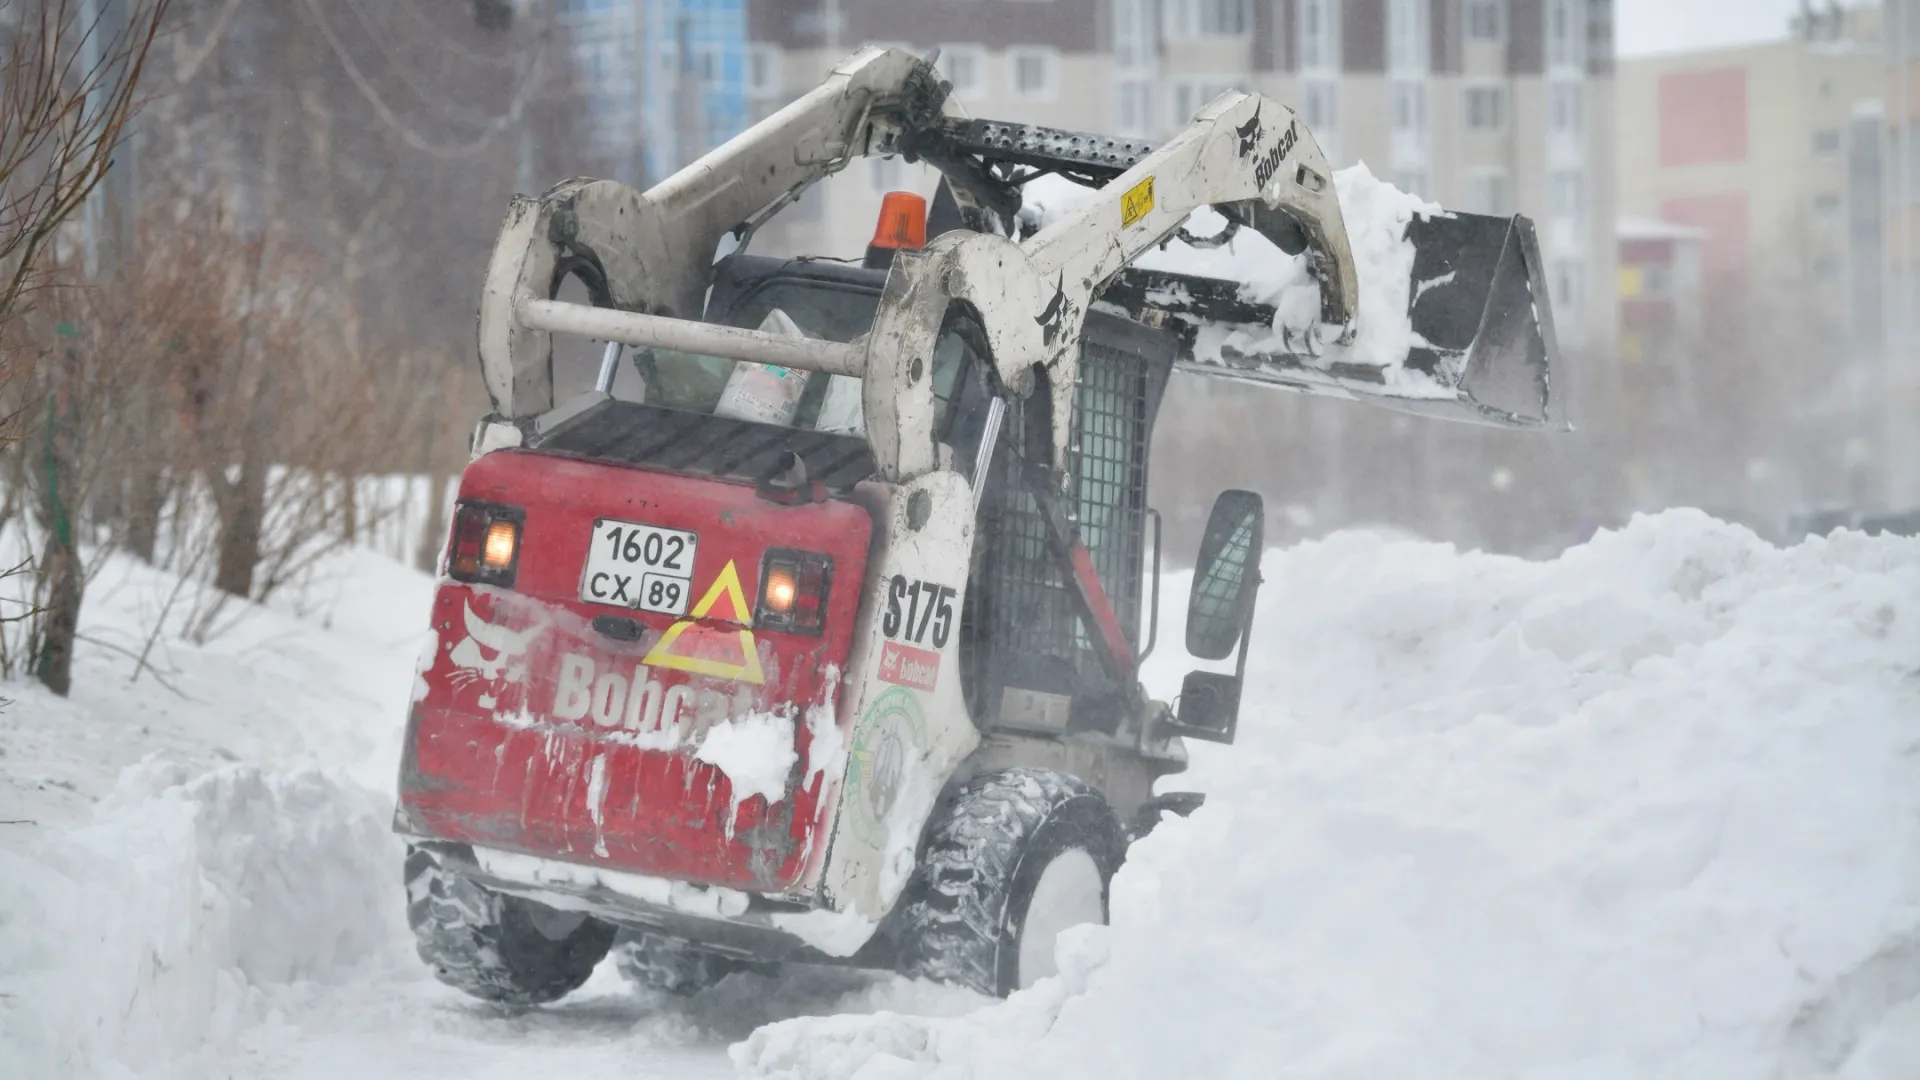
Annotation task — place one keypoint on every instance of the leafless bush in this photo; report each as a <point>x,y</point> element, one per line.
<point>67,91</point>
<point>75,350</point>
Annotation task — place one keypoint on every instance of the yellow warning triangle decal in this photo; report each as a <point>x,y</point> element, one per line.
<point>727,584</point>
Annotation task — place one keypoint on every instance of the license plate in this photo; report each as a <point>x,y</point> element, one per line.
<point>639,566</point>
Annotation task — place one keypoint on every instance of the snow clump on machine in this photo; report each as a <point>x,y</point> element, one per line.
<point>1377,215</point>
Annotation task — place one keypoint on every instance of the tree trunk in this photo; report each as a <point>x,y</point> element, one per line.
<point>427,556</point>
<point>59,569</point>
<point>60,621</point>
<point>349,508</point>
<point>142,507</point>
<point>242,506</point>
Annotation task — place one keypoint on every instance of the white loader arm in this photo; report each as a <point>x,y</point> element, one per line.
<point>1482,342</point>
<point>653,253</point>
<point>1244,154</point>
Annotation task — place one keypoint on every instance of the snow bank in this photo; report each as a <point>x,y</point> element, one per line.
<point>145,938</point>
<point>1649,810</point>
<point>1377,215</point>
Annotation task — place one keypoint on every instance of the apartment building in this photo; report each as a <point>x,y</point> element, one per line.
<point>1773,149</point>
<point>663,80</point>
<point>1901,122</point>
<point>1046,61</point>
<point>1498,106</point>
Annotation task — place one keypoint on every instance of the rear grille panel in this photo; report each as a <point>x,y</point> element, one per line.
<point>704,445</point>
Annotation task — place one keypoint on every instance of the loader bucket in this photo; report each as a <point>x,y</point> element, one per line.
<point>1480,302</point>
<point>1483,339</point>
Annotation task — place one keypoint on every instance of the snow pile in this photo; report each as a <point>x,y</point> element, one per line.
<point>156,898</point>
<point>141,939</point>
<point>1377,215</point>
<point>1648,810</point>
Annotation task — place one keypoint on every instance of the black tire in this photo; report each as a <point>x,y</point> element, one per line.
<point>498,948</point>
<point>965,910</point>
<point>656,962</point>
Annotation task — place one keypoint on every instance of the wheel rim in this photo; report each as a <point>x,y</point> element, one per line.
<point>1070,892</point>
<point>552,923</point>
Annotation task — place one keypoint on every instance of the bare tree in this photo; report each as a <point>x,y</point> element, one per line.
<point>67,92</point>
<point>68,88</point>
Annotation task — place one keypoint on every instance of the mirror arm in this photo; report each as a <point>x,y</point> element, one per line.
<point>1153,606</point>
<point>1246,627</point>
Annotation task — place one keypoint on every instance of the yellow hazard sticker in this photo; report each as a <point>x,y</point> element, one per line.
<point>1137,202</point>
<point>747,669</point>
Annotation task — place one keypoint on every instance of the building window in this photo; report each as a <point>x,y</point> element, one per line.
<point>1826,143</point>
<point>1208,18</point>
<point>1907,143</point>
<point>1486,108</point>
<point>1133,43</point>
<point>1486,20</point>
<point>1487,192</point>
<point>886,174</point>
<point>1569,109</point>
<point>1136,107</point>
<point>1827,204</point>
<point>763,71</point>
<point>1192,95</point>
<point>1036,72</point>
<point>1319,35</point>
<point>1409,106</point>
<point>1565,33</point>
<point>1320,103</point>
<point>1569,196</point>
<point>961,65</point>
<point>1411,181</point>
<point>1407,48</point>
<point>810,207</point>
<point>1569,284</point>
<point>1826,270</point>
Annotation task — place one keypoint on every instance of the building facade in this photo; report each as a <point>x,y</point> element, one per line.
<point>1777,152</point>
<point>1762,147</point>
<point>1901,120</point>
<point>1497,106</point>
<point>663,80</point>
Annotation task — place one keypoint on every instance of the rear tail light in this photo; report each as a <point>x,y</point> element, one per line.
<point>793,591</point>
<point>486,543</point>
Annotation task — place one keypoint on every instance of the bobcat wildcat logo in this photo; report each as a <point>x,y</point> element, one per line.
<point>1050,319</point>
<point>509,648</point>
<point>1249,133</point>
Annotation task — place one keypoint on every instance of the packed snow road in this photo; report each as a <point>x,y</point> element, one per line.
<point>1648,810</point>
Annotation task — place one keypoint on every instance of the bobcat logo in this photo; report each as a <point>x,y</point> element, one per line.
<point>1249,133</point>
<point>509,648</point>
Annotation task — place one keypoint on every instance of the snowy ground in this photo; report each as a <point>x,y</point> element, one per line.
<point>1649,810</point>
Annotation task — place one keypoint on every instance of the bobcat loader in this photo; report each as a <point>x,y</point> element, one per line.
<point>826,650</point>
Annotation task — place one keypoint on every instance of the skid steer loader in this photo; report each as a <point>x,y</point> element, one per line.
<point>826,649</point>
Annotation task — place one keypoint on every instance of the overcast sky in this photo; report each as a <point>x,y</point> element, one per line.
<point>1647,26</point>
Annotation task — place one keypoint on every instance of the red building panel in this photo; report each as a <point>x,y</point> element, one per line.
<point>1703,117</point>
<point>1646,253</point>
<point>1724,217</point>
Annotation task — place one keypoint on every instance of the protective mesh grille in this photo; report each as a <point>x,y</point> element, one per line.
<point>1029,619</point>
<point>1109,462</point>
